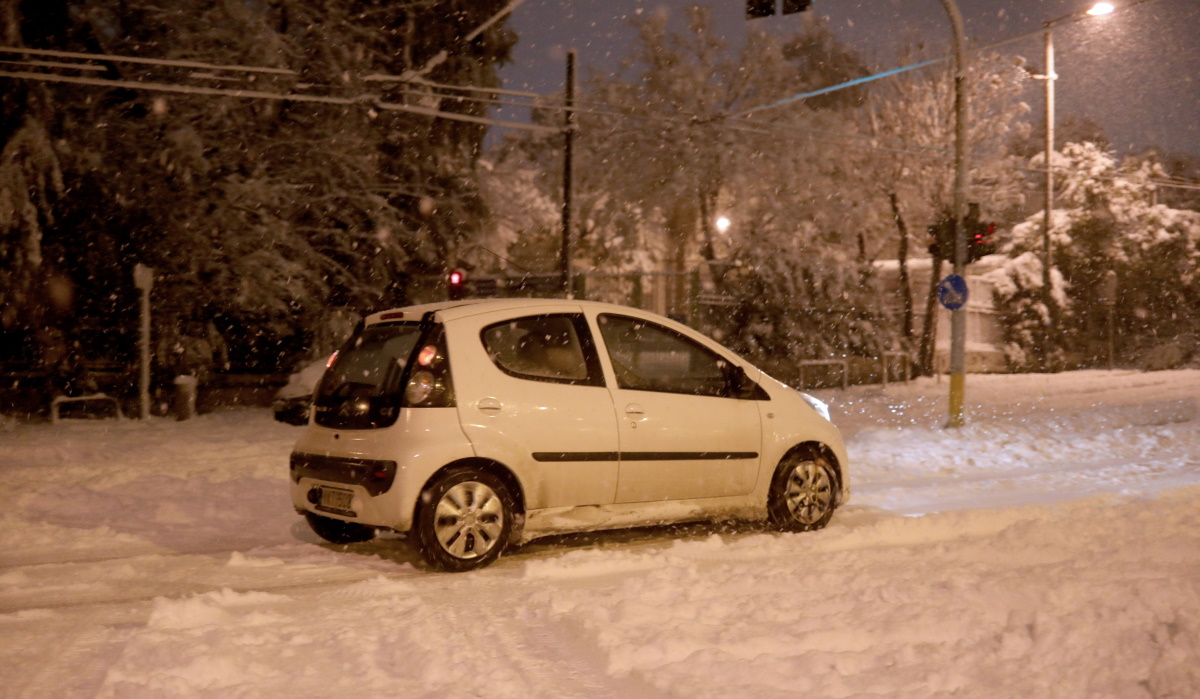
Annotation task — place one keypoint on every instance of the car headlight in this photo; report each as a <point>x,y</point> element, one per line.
<point>816,404</point>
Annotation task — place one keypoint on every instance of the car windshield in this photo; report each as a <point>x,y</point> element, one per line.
<point>362,389</point>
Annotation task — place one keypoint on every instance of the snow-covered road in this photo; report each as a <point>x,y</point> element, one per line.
<point>1049,548</point>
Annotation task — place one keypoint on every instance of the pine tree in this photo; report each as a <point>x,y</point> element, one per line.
<point>33,293</point>
<point>257,214</point>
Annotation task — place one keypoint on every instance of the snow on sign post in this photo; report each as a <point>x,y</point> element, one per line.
<point>143,279</point>
<point>952,292</point>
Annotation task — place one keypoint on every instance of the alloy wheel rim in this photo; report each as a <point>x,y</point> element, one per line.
<point>809,493</point>
<point>468,520</point>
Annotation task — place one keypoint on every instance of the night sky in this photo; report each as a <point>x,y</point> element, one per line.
<point>1137,72</point>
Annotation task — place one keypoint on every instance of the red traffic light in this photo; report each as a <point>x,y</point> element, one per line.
<point>981,241</point>
<point>456,281</point>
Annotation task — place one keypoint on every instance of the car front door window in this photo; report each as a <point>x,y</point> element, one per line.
<point>648,357</point>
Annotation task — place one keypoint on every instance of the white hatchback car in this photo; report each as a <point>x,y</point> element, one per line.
<point>479,424</point>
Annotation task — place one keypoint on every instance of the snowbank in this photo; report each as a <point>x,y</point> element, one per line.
<point>1047,549</point>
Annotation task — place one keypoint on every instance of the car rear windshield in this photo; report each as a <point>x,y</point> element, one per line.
<point>362,390</point>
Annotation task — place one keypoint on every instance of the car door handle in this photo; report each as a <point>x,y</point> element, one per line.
<point>488,405</point>
<point>634,409</point>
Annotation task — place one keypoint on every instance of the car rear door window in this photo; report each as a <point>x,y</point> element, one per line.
<point>555,348</point>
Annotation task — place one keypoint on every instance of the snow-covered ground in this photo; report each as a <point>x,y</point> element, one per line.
<point>1050,548</point>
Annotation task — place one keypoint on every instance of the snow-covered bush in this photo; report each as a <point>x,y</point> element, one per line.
<point>801,302</point>
<point>1017,287</point>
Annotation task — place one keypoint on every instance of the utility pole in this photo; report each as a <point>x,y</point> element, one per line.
<point>568,163</point>
<point>958,318</point>
<point>143,279</point>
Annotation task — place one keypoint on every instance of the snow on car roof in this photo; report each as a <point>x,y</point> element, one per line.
<point>467,307</point>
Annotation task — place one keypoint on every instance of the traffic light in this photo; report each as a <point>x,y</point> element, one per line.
<point>980,236</point>
<point>456,282</point>
<point>759,8</point>
<point>766,8</point>
<point>942,233</point>
<point>980,239</point>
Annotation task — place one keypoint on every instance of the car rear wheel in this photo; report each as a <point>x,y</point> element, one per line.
<point>465,520</point>
<point>336,531</point>
<point>803,492</point>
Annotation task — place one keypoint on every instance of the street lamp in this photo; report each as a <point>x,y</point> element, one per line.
<point>722,224</point>
<point>1100,8</point>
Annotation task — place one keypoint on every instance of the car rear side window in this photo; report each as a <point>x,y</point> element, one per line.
<point>555,348</point>
<point>362,389</point>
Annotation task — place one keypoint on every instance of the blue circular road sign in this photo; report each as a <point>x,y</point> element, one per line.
<point>952,292</point>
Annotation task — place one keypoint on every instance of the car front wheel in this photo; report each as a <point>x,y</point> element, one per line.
<point>803,492</point>
<point>464,521</point>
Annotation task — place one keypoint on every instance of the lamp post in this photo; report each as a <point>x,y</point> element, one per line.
<point>1100,8</point>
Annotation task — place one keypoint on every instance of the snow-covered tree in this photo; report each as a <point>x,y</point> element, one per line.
<point>32,291</point>
<point>912,121</point>
<point>800,298</point>
<point>259,214</point>
<point>523,234</point>
<point>661,156</point>
<point>1108,222</point>
<point>812,188</point>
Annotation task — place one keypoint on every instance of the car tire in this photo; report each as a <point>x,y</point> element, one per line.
<point>803,492</point>
<point>464,521</point>
<point>336,531</point>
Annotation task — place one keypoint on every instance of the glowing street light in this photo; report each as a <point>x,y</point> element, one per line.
<point>1101,8</point>
<point>722,224</point>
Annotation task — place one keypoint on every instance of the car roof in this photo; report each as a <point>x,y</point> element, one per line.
<point>451,310</point>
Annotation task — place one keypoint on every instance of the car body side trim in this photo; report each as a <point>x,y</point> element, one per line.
<point>560,456</point>
<point>687,455</point>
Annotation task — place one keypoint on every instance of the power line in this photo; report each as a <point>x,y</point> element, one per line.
<point>162,62</point>
<point>599,109</point>
<point>551,105</point>
<point>383,77</point>
<point>370,100</point>
<point>366,99</point>
<point>914,66</point>
<point>841,86</point>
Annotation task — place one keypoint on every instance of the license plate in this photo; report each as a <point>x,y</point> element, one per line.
<point>336,499</point>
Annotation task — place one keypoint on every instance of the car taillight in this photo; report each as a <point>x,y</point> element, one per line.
<point>429,384</point>
<point>427,355</point>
